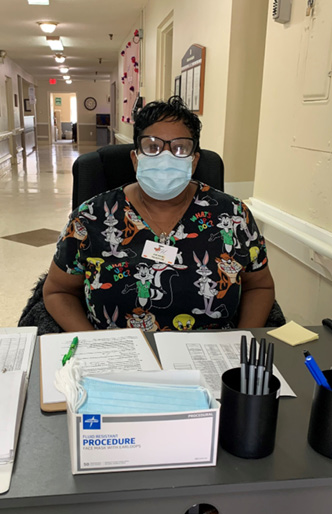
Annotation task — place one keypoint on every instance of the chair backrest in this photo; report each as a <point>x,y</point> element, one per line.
<point>110,167</point>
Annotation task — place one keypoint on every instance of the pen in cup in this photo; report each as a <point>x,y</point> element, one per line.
<point>315,370</point>
<point>268,368</point>
<point>244,365</point>
<point>71,351</point>
<point>260,367</point>
<point>252,367</point>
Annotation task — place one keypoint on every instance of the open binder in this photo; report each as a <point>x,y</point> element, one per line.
<point>16,352</point>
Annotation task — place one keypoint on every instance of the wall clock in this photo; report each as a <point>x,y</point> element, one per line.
<point>90,103</point>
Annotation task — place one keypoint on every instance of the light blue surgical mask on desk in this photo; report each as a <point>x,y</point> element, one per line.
<point>109,397</point>
<point>163,176</point>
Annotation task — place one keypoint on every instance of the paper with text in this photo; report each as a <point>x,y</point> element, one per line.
<point>16,351</point>
<point>210,352</point>
<point>100,351</point>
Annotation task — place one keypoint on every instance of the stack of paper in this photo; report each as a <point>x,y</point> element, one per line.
<point>292,333</point>
<point>16,352</point>
<point>12,394</point>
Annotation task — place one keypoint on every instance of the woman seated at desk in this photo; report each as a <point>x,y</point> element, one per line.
<point>163,253</point>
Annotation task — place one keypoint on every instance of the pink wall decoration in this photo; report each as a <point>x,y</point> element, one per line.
<point>130,77</point>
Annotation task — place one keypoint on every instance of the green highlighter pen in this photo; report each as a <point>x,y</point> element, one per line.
<point>71,351</point>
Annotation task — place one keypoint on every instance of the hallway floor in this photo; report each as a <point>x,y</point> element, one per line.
<point>35,203</point>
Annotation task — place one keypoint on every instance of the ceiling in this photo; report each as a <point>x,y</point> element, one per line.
<point>84,27</point>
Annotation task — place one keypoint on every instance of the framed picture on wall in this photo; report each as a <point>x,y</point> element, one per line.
<point>27,105</point>
<point>192,78</point>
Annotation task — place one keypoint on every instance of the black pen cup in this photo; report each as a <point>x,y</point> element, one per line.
<point>320,423</point>
<point>248,423</point>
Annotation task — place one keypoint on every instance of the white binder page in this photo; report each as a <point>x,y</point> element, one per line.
<point>211,353</point>
<point>11,400</point>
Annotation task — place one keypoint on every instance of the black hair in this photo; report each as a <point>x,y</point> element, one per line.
<point>172,110</point>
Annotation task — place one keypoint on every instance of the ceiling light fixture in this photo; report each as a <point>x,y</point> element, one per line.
<point>60,58</point>
<point>69,81</point>
<point>66,77</point>
<point>63,69</point>
<point>55,43</point>
<point>38,2</point>
<point>48,26</point>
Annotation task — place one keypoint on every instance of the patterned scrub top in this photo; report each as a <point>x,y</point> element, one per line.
<point>216,239</point>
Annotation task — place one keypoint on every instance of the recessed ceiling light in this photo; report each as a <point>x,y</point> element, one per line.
<point>55,43</point>
<point>38,2</point>
<point>66,77</point>
<point>63,69</point>
<point>69,81</point>
<point>60,58</point>
<point>47,26</point>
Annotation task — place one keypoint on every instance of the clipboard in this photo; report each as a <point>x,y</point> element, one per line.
<point>48,407</point>
<point>54,346</point>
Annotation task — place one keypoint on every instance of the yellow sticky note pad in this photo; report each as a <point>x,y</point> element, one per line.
<point>293,334</point>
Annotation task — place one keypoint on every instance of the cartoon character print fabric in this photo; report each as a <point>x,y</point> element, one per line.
<point>216,239</point>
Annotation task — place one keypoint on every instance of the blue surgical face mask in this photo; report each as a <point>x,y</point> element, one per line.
<point>109,397</point>
<point>164,176</point>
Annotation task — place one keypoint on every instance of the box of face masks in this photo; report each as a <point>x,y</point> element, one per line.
<point>102,443</point>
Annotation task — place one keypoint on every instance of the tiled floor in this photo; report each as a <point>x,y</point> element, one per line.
<point>35,199</point>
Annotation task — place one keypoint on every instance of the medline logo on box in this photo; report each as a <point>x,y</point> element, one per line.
<point>91,422</point>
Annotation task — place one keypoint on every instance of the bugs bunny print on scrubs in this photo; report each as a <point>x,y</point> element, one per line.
<point>112,234</point>
<point>207,287</point>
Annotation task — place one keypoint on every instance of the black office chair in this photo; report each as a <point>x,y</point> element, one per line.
<point>110,167</point>
<point>107,168</point>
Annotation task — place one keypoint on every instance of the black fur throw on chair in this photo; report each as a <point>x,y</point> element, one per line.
<point>35,313</point>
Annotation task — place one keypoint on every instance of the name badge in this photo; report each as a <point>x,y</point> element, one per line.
<point>159,252</point>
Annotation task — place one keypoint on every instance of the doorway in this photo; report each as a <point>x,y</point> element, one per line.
<point>63,119</point>
<point>165,58</point>
<point>10,117</point>
<point>113,126</point>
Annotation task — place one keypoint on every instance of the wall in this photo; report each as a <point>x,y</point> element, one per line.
<point>192,22</point>
<point>293,169</point>
<point>234,36</point>
<point>86,120</point>
<point>246,59</point>
<point>10,136</point>
<point>202,16</point>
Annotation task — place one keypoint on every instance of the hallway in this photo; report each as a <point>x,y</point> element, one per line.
<point>35,203</point>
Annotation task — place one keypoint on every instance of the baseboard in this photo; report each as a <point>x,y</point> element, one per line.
<point>121,139</point>
<point>5,161</point>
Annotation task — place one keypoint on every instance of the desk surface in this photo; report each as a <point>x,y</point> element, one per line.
<point>42,479</point>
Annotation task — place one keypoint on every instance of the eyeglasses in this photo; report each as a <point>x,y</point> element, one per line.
<point>180,146</point>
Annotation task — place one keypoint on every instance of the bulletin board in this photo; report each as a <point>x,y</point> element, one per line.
<point>192,78</point>
<point>130,77</point>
